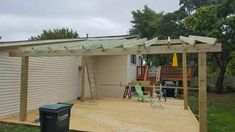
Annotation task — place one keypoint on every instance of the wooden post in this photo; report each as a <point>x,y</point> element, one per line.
<point>185,81</point>
<point>83,79</point>
<point>24,88</point>
<point>202,92</point>
<point>146,73</point>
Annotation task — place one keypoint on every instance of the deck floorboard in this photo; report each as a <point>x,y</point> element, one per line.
<point>116,115</point>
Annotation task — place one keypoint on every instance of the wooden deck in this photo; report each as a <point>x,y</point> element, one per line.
<point>111,114</point>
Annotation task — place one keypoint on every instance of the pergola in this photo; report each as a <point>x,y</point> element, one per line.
<point>122,45</point>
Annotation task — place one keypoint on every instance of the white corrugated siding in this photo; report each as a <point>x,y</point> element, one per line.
<point>9,84</point>
<point>51,79</point>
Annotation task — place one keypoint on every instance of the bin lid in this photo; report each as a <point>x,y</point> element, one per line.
<point>55,106</point>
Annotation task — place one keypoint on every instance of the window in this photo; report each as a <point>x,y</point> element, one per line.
<point>140,61</point>
<point>133,59</point>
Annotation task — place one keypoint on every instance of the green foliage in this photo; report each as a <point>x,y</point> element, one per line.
<point>62,33</point>
<point>216,21</point>
<point>191,5</point>
<point>231,66</point>
<point>18,128</point>
<point>230,88</point>
<point>145,22</point>
<point>172,25</point>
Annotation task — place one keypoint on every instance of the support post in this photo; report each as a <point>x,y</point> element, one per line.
<point>24,88</point>
<point>146,73</point>
<point>185,81</point>
<point>202,92</point>
<point>83,79</point>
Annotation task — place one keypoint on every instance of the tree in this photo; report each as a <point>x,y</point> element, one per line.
<point>145,22</point>
<point>62,33</point>
<point>172,25</point>
<point>190,6</point>
<point>217,21</point>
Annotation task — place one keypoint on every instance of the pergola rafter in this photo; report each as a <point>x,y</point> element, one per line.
<point>151,42</point>
<point>135,42</point>
<point>206,40</point>
<point>124,45</point>
<point>192,44</point>
<point>187,40</point>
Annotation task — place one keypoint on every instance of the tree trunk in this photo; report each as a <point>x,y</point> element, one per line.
<point>220,80</point>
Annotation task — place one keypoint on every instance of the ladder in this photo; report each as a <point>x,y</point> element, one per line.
<point>91,78</point>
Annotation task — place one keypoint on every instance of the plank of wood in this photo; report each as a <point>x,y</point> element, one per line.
<point>83,78</point>
<point>146,73</point>
<point>185,81</point>
<point>151,42</point>
<point>206,40</point>
<point>24,88</point>
<point>113,44</point>
<point>188,40</point>
<point>166,87</point>
<point>202,92</point>
<point>133,43</point>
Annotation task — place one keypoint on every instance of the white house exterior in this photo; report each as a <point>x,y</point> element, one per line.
<point>56,79</point>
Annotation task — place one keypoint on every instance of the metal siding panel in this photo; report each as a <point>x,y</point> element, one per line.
<point>51,80</point>
<point>9,84</point>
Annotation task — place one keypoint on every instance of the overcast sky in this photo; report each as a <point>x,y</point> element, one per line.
<point>20,19</point>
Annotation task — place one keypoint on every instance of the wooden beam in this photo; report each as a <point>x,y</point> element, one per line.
<point>151,42</point>
<point>83,78</point>
<point>162,49</point>
<point>166,42</point>
<point>202,92</point>
<point>146,73</point>
<point>134,43</point>
<point>90,45</point>
<point>38,42</point>
<point>49,48</point>
<point>114,44</point>
<point>206,40</point>
<point>185,81</point>
<point>24,88</point>
<point>166,87</point>
<point>187,40</point>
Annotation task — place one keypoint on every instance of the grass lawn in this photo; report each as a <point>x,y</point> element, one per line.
<point>221,111</point>
<point>18,128</point>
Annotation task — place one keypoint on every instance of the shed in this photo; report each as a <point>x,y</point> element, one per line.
<point>121,46</point>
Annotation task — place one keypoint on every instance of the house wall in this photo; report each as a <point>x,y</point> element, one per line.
<point>131,68</point>
<point>51,80</point>
<point>111,70</point>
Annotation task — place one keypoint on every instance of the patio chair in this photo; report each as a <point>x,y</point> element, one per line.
<point>140,94</point>
<point>156,97</point>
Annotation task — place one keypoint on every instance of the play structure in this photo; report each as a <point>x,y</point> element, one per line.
<point>167,75</point>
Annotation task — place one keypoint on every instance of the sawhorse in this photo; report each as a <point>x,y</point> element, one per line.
<point>127,92</point>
